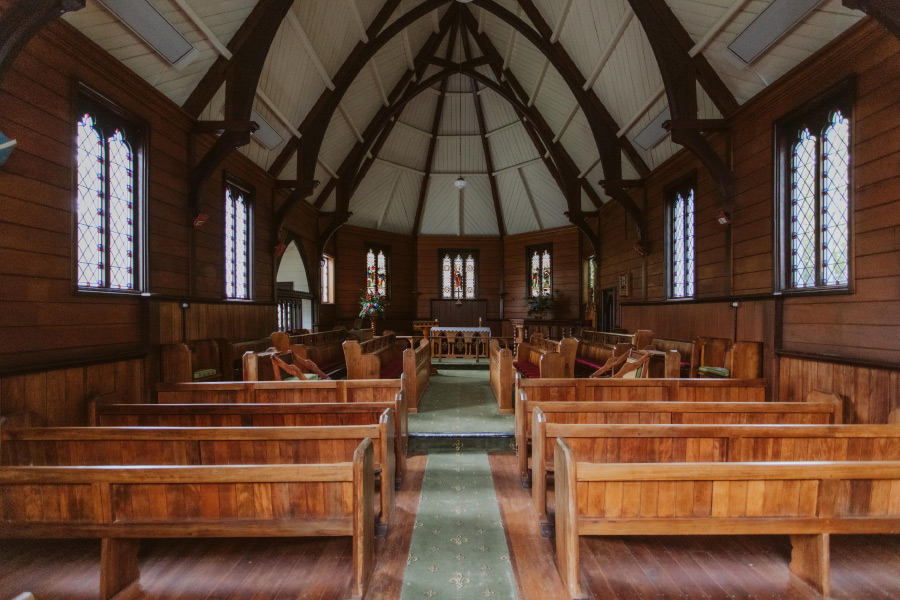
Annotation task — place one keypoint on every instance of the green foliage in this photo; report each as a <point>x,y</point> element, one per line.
<point>540,304</point>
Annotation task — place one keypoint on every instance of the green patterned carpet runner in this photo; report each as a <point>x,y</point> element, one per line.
<point>458,548</point>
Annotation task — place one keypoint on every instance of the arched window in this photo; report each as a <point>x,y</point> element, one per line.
<point>377,270</point>
<point>109,170</point>
<point>815,196</point>
<point>459,274</point>
<point>540,267</point>
<point>680,202</point>
<point>237,241</point>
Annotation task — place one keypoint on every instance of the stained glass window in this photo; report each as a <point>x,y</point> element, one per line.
<point>817,198</point>
<point>540,268</point>
<point>458,270</point>
<point>376,271</point>
<point>106,205</point>
<point>327,279</point>
<point>237,242</point>
<point>681,263</point>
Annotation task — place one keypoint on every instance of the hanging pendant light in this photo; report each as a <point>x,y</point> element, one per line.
<point>460,182</point>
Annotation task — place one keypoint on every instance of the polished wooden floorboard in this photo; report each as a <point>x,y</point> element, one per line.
<point>711,567</point>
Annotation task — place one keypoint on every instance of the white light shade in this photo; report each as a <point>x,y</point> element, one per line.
<point>460,183</point>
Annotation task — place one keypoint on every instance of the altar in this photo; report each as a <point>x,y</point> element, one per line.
<point>460,342</point>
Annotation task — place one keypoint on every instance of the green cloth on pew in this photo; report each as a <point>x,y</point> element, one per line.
<point>204,373</point>
<point>715,371</point>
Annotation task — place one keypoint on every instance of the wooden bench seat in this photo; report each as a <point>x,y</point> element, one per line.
<point>597,347</point>
<point>323,348</point>
<point>501,375</point>
<point>97,446</point>
<point>705,443</point>
<point>542,358</point>
<point>201,360</point>
<point>391,391</point>
<point>386,357</point>
<point>121,505</point>
<point>819,408</point>
<point>252,415</point>
<point>806,500</point>
<point>631,390</point>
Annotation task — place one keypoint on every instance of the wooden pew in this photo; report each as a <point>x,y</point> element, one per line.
<point>597,347</point>
<point>323,348</point>
<point>741,360</point>
<point>501,374</point>
<point>253,415</point>
<point>631,390</point>
<point>706,443</point>
<point>542,358</point>
<point>133,446</point>
<point>279,392</point>
<point>807,500</point>
<point>386,357</point>
<point>686,352</point>
<point>201,360</point>
<point>819,408</point>
<point>121,505</point>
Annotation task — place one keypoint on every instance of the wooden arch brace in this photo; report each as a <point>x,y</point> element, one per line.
<point>23,19</point>
<point>886,12</point>
<point>241,80</point>
<point>679,73</point>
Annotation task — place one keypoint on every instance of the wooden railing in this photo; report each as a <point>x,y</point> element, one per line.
<point>290,309</point>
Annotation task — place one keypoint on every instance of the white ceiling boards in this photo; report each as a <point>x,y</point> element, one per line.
<point>604,42</point>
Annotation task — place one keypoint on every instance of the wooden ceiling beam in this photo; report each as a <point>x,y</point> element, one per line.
<point>432,144</point>
<point>679,73</point>
<point>485,145</point>
<point>886,12</point>
<point>215,76</point>
<point>23,19</point>
<point>242,78</point>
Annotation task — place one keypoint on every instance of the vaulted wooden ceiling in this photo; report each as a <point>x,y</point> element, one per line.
<point>424,91</point>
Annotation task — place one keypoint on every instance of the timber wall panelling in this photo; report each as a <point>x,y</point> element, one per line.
<point>862,326</point>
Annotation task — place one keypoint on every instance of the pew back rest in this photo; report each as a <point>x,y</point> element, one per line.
<point>200,360</point>
<point>685,349</point>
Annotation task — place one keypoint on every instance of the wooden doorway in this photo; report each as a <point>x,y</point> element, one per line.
<point>608,310</point>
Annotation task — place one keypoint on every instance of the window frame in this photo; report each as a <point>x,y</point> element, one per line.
<point>686,183</point>
<point>137,134</point>
<point>464,252</point>
<point>249,201</point>
<point>539,248</point>
<point>388,266</point>
<point>813,115</point>
<point>327,258</point>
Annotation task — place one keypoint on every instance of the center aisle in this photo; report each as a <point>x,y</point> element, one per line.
<point>458,547</point>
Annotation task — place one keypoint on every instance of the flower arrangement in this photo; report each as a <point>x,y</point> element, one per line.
<point>372,305</point>
<point>540,304</point>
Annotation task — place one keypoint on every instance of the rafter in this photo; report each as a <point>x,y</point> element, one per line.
<point>243,73</point>
<point>485,145</point>
<point>23,19</point>
<point>530,196</point>
<point>886,12</point>
<point>357,19</point>
<point>391,193</point>
<point>679,73</point>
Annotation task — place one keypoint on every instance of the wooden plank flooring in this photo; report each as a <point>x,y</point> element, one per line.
<point>712,567</point>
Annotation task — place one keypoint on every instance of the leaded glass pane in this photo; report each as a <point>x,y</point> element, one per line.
<point>835,194</point>
<point>121,214</point>
<point>91,234</point>
<point>446,277</point>
<point>678,266</point>
<point>382,273</point>
<point>470,277</point>
<point>592,270</point>
<point>371,277</point>
<point>803,210</point>
<point>545,273</point>
<point>323,276</point>
<point>689,245</point>
<point>458,277</point>
<point>535,274</point>
<point>230,235</point>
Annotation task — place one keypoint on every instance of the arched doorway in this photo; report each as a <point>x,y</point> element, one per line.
<point>294,293</point>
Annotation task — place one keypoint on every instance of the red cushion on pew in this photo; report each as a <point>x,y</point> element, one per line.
<point>587,363</point>
<point>392,369</point>
<point>527,369</point>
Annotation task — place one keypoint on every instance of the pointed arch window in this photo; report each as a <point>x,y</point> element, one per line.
<point>109,211</point>
<point>377,270</point>
<point>539,266</point>
<point>237,241</point>
<point>680,203</point>
<point>458,274</point>
<point>815,196</point>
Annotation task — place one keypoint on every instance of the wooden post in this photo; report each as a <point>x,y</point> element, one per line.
<point>810,560</point>
<point>118,565</point>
